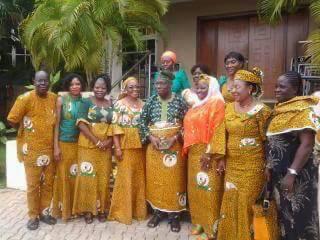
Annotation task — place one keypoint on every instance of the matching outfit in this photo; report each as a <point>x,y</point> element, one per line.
<point>92,190</point>
<point>128,197</point>
<point>166,168</point>
<point>203,128</point>
<point>36,118</point>
<point>67,168</point>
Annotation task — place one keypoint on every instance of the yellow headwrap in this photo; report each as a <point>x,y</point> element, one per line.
<point>253,76</point>
<point>124,85</point>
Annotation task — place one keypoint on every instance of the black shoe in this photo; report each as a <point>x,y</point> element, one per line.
<point>48,219</point>
<point>174,220</point>
<point>33,224</point>
<point>155,220</point>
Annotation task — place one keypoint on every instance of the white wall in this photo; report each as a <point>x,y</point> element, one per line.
<point>14,169</point>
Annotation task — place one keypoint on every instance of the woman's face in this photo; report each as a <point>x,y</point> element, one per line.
<point>167,63</point>
<point>284,91</point>
<point>232,65</point>
<point>133,89</point>
<point>241,90</point>
<point>75,87</point>
<point>100,88</point>
<point>202,90</point>
<point>196,74</point>
<point>163,87</point>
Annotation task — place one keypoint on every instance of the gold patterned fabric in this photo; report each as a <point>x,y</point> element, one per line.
<point>92,192</point>
<point>253,76</point>
<point>128,199</point>
<point>244,175</point>
<point>64,183</point>
<point>166,174</point>
<point>205,190</point>
<point>228,98</point>
<point>293,115</point>
<point>36,118</point>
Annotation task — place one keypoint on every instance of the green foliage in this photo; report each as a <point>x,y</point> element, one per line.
<point>3,132</point>
<point>73,33</point>
<point>271,11</point>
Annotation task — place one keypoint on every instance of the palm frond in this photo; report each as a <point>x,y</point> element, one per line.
<point>313,46</point>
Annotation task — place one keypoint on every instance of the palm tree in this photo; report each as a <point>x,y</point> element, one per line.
<point>271,11</point>
<point>73,33</point>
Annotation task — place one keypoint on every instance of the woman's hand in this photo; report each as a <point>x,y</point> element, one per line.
<point>107,143</point>
<point>118,153</point>
<point>171,141</point>
<point>267,174</point>
<point>221,167</point>
<point>287,183</point>
<point>155,141</point>
<point>206,162</point>
<point>57,154</point>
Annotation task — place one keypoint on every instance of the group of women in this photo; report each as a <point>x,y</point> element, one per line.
<point>213,148</point>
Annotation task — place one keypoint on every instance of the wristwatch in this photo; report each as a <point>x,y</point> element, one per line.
<point>292,171</point>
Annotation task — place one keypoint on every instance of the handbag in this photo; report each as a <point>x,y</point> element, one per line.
<point>265,221</point>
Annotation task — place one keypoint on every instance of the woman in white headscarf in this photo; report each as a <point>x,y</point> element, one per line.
<point>203,124</point>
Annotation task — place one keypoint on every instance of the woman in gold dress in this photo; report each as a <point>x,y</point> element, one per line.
<point>245,123</point>
<point>92,193</point>
<point>128,198</point>
<point>160,126</point>
<point>233,62</point>
<point>66,146</point>
<point>203,126</point>
<point>291,162</point>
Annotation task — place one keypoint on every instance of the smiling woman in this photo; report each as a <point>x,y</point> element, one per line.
<point>203,126</point>
<point>233,61</point>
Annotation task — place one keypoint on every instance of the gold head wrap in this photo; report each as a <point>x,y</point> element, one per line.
<point>253,76</point>
<point>171,55</point>
<point>124,84</point>
<point>204,78</point>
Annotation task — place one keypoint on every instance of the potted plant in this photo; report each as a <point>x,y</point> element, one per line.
<point>3,139</point>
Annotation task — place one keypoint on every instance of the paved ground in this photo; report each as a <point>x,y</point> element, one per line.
<point>13,219</point>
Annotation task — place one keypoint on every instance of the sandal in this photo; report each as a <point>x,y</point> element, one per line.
<point>88,218</point>
<point>154,221</point>
<point>203,236</point>
<point>175,224</point>
<point>196,229</point>
<point>33,224</point>
<point>102,217</point>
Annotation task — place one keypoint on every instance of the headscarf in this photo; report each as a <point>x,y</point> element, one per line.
<point>124,84</point>
<point>254,76</point>
<point>214,89</point>
<point>166,76</point>
<point>171,55</point>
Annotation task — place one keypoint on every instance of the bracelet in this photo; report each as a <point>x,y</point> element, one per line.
<point>292,171</point>
<point>98,143</point>
<point>176,137</point>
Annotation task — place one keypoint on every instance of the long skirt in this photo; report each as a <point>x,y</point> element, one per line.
<point>64,182</point>
<point>244,180</point>
<point>92,192</point>
<point>166,177</point>
<point>205,190</point>
<point>298,211</point>
<point>128,198</point>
